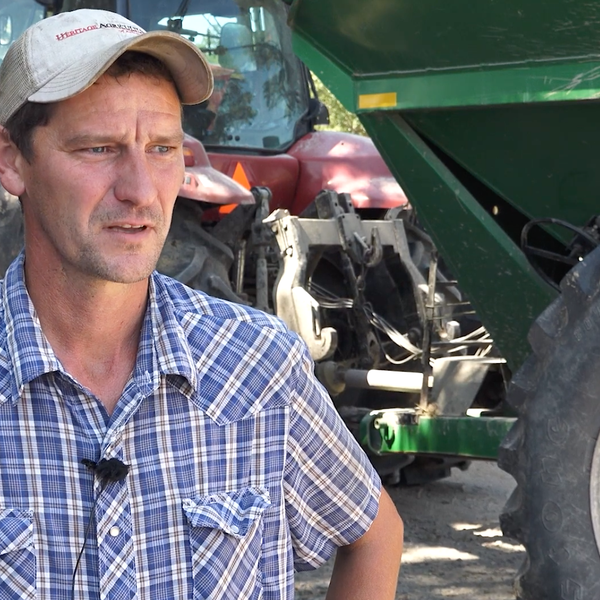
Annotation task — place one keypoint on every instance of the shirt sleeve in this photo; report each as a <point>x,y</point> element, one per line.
<point>331,490</point>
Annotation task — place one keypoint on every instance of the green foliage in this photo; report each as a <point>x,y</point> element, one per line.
<point>339,118</point>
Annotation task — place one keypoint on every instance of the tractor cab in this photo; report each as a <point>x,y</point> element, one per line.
<point>261,100</point>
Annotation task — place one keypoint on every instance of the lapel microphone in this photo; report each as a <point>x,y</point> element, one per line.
<point>108,471</point>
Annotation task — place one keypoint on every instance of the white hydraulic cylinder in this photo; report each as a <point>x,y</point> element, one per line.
<point>391,381</point>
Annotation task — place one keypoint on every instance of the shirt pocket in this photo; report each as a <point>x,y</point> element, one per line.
<point>17,555</point>
<point>226,534</point>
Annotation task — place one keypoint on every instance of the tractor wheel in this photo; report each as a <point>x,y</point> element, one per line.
<point>553,451</point>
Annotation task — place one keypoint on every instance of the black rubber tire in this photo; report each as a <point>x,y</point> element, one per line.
<point>550,449</point>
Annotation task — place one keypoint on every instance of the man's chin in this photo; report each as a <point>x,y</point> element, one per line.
<point>129,280</point>
<point>125,270</point>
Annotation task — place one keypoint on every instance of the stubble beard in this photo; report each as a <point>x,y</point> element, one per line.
<point>98,266</point>
<point>131,263</point>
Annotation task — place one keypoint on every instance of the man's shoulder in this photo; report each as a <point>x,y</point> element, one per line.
<point>245,360</point>
<point>219,331</point>
<point>187,301</point>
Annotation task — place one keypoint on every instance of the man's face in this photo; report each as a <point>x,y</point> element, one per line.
<point>99,191</point>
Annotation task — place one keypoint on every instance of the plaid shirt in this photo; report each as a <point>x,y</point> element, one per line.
<point>241,469</point>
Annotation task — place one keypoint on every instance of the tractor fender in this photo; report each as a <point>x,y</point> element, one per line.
<point>204,183</point>
<point>344,163</point>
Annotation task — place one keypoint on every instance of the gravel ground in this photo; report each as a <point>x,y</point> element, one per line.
<point>453,546</point>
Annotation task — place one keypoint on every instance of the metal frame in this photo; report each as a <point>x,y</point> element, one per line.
<point>296,237</point>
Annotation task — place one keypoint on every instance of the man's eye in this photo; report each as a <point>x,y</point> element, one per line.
<point>98,150</point>
<point>162,149</point>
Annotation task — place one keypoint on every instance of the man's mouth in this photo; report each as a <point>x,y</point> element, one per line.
<point>127,227</point>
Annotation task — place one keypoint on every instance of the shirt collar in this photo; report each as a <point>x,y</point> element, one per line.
<point>163,349</point>
<point>28,351</point>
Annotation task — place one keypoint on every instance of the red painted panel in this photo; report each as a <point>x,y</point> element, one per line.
<point>279,173</point>
<point>344,163</point>
<point>203,182</point>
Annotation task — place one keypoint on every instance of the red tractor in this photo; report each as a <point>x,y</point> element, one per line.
<point>309,225</point>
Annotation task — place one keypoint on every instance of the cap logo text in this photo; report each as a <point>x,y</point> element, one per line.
<point>120,26</point>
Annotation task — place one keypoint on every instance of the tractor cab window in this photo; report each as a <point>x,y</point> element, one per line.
<point>259,87</point>
<point>260,95</point>
<point>15,17</point>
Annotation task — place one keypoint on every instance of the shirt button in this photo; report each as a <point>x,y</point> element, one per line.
<point>114,531</point>
<point>235,529</point>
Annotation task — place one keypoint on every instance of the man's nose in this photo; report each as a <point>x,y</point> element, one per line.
<point>135,179</point>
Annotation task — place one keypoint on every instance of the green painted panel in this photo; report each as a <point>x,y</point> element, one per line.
<point>493,86</point>
<point>543,159</point>
<point>490,268</point>
<point>539,83</point>
<point>327,69</point>
<point>471,437</point>
<point>408,36</point>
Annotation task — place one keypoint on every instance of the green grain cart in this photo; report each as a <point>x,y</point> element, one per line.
<point>488,114</point>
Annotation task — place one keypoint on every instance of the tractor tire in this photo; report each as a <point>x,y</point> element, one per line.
<point>553,450</point>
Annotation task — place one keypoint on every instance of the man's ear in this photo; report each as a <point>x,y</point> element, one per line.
<point>10,161</point>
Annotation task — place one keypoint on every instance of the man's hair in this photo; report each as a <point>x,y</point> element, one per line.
<point>22,124</point>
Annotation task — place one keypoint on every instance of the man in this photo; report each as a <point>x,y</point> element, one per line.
<point>155,443</point>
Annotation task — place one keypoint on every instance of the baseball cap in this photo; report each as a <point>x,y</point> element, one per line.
<point>61,56</point>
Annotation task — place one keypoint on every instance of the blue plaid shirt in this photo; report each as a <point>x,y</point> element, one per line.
<point>241,469</point>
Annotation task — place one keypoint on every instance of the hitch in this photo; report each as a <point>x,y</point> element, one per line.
<point>404,430</point>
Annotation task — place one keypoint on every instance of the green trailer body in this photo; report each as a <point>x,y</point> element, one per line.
<point>485,113</point>
<point>488,114</point>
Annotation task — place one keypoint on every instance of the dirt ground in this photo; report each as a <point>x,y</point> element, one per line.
<point>453,546</point>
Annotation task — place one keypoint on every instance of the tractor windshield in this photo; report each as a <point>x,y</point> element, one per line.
<point>260,92</point>
<point>15,17</point>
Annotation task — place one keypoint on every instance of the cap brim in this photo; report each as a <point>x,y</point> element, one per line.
<point>190,70</point>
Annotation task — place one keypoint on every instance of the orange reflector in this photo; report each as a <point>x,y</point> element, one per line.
<point>239,175</point>
<point>188,157</point>
<point>225,209</point>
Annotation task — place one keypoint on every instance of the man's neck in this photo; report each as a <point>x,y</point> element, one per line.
<point>94,329</point>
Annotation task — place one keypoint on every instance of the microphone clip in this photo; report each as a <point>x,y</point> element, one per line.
<point>108,471</point>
